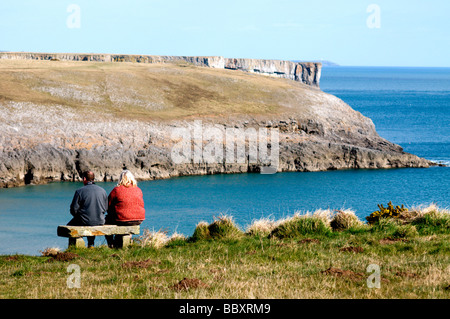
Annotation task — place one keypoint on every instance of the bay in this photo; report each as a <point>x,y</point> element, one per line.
<point>409,106</point>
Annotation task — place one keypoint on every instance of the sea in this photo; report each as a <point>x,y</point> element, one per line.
<point>409,106</point>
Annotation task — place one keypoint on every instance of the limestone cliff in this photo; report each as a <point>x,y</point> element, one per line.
<point>58,118</point>
<point>304,72</point>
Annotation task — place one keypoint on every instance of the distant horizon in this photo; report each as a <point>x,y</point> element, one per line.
<point>293,60</point>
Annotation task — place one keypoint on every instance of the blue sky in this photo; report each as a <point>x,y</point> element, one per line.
<point>410,33</point>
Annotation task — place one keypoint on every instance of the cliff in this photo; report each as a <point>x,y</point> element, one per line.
<point>58,118</point>
<point>304,72</point>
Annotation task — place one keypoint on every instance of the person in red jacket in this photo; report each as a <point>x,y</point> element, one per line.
<point>125,204</point>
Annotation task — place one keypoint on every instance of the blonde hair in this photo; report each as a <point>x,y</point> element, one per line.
<point>127,179</point>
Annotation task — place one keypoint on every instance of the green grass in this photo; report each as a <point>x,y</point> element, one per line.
<point>299,226</point>
<point>231,263</point>
<point>432,223</point>
<point>223,227</point>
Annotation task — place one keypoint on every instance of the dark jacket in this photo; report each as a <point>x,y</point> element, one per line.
<point>89,205</point>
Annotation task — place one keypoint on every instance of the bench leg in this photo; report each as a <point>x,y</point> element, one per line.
<point>77,242</point>
<point>123,241</point>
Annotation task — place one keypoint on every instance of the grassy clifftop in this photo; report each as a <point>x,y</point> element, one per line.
<point>148,91</point>
<point>306,256</point>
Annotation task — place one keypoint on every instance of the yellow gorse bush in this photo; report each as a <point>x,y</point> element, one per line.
<point>386,212</point>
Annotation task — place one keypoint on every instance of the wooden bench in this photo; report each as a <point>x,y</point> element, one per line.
<point>76,233</point>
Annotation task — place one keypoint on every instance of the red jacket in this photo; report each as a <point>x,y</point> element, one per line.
<point>126,203</point>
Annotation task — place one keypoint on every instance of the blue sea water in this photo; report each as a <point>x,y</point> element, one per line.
<point>409,106</point>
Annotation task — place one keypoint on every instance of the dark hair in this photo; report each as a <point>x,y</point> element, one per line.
<point>89,176</point>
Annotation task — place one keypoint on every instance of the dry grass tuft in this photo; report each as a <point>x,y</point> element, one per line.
<point>323,214</point>
<point>223,227</point>
<point>50,251</point>
<point>57,255</point>
<point>262,227</point>
<point>345,219</point>
<point>417,212</point>
<point>155,239</point>
<point>201,231</point>
<point>176,236</point>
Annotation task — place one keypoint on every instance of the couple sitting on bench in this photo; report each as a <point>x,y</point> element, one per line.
<point>124,205</point>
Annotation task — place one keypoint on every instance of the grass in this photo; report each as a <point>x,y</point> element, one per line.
<point>301,225</point>
<point>307,259</point>
<point>433,222</point>
<point>148,91</point>
<point>223,227</point>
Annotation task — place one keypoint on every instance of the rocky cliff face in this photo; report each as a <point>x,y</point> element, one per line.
<point>57,120</point>
<point>62,151</point>
<point>304,72</point>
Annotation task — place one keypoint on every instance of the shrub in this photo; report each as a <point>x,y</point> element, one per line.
<point>300,225</point>
<point>405,231</point>
<point>224,227</point>
<point>433,221</point>
<point>386,212</point>
<point>385,225</point>
<point>261,227</point>
<point>176,240</point>
<point>201,232</point>
<point>323,214</point>
<point>344,220</point>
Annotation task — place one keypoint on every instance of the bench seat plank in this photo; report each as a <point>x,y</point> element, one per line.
<point>84,231</point>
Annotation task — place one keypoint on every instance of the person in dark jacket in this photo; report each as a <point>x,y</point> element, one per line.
<point>89,205</point>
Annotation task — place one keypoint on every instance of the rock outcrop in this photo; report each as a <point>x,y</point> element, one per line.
<point>57,121</point>
<point>303,147</point>
<point>305,72</point>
